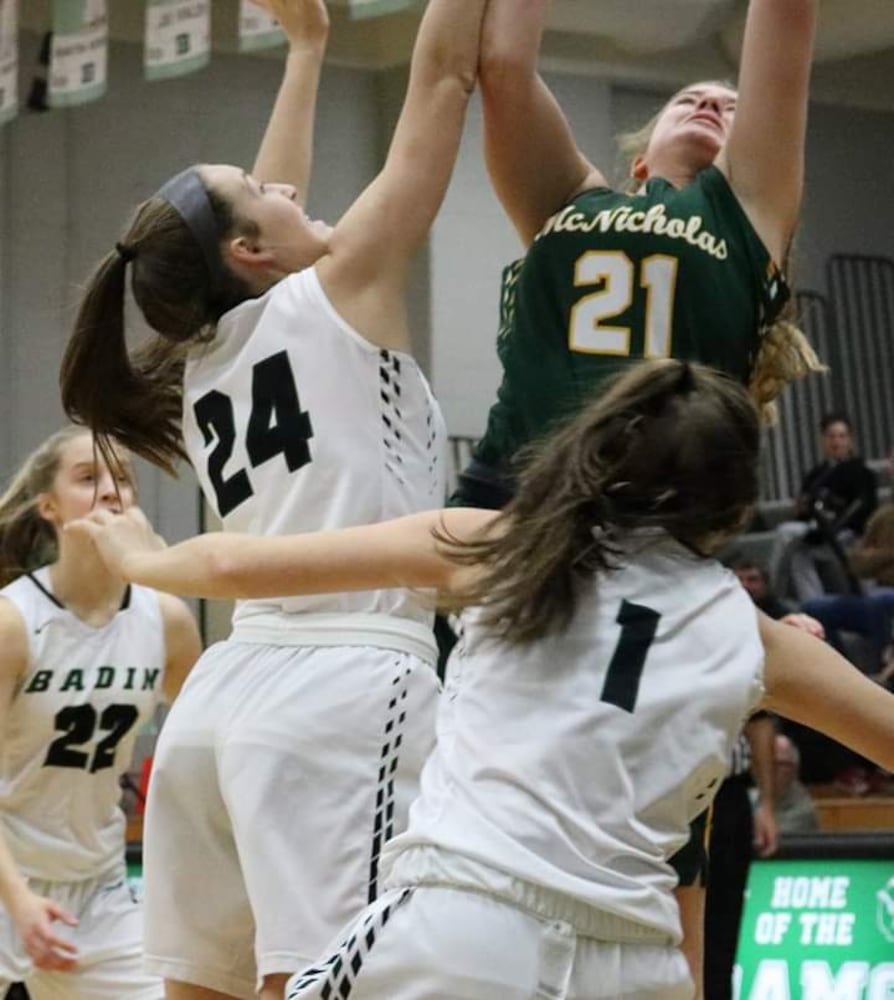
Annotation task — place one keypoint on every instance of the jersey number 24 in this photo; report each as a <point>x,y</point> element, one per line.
<point>277,426</point>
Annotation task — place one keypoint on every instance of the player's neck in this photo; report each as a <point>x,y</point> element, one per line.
<point>83,585</point>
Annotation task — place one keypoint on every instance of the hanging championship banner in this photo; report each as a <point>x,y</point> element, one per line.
<point>9,60</point>
<point>178,37</point>
<point>373,8</point>
<point>79,52</point>
<point>258,29</point>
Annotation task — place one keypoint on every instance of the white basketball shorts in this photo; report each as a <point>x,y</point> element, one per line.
<point>443,943</point>
<point>279,773</point>
<point>109,938</point>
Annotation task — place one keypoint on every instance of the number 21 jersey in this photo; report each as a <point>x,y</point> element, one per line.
<point>613,278</point>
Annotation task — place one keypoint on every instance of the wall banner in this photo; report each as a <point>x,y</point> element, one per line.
<point>9,60</point>
<point>258,29</point>
<point>178,37</point>
<point>79,52</point>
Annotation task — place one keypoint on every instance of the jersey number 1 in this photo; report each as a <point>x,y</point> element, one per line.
<point>638,626</point>
<point>590,331</point>
<point>277,426</point>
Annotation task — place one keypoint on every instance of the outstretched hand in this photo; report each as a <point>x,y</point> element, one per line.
<point>34,917</point>
<point>303,21</point>
<point>806,623</point>
<point>118,536</point>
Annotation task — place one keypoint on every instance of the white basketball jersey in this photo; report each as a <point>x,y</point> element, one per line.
<point>71,728</point>
<point>294,422</point>
<point>577,762</point>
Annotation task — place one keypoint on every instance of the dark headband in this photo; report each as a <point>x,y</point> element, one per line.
<point>187,195</point>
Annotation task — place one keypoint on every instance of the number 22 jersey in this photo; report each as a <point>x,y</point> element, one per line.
<point>70,729</point>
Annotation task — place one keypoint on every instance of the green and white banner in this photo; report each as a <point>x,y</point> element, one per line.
<point>258,29</point>
<point>373,8</point>
<point>79,53</point>
<point>817,930</point>
<point>9,60</point>
<point>178,37</point>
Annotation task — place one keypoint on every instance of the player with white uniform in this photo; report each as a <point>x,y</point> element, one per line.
<point>605,668</point>
<point>282,369</point>
<point>81,675</point>
<point>316,714</point>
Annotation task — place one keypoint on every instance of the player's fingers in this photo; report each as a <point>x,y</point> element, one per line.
<point>58,912</point>
<point>84,527</point>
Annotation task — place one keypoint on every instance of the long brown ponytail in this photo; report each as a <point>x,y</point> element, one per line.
<point>135,396</point>
<point>670,445</point>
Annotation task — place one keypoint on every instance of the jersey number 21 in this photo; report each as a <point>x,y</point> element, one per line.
<point>590,331</point>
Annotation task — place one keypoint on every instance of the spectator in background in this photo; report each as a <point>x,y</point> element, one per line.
<point>870,613</point>
<point>756,580</point>
<point>795,810</point>
<point>837,497</point>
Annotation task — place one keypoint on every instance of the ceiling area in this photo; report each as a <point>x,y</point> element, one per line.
<point>643,42</point>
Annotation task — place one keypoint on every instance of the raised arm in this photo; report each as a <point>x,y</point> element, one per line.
<point>807,681</point>
<point>399,553</point>
<point>764,154</point>
<point>286,151</point>
<point>373,243</point>
<point>33,915</point>
<point>534,163</point>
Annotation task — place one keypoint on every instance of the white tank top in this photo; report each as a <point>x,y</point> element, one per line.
<point>577,762</point>
<point>71,728</point>
<point>294,422</point>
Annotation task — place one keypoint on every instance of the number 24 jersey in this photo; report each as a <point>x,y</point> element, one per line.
<point>294,422</point>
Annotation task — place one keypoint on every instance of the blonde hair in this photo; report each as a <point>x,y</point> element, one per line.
<point>27,540</point>
<point>784,355</point>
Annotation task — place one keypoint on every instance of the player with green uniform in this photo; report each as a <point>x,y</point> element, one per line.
<point>610,279</point>
<point>684,267</point>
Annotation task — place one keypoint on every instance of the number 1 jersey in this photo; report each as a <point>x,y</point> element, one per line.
<point>576,762</point>
<point>70,729</point>
<point>294,422</point>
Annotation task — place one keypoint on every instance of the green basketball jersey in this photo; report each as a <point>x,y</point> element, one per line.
<point>613,278</point>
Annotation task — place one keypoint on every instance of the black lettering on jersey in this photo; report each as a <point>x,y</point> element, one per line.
<point>40,681</point>
<point>74,681</point>
<point>78,724</point>
<point>214,415</point>
<point>149,679</point>
<point>107,677</point>
<point>638,626</point>
<point>277,426</point>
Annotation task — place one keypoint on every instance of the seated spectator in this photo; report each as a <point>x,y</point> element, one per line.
<point>837,497</point>
<point>756,580</point>
<point>795,811</point>
<point>869,614</point>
